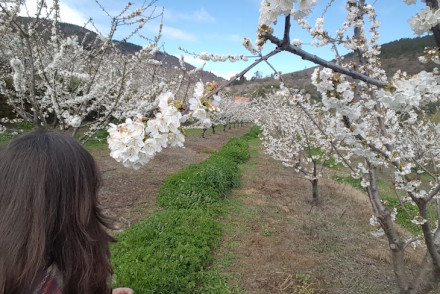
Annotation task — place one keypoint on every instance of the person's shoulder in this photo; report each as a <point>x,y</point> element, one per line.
<point>49,281</point>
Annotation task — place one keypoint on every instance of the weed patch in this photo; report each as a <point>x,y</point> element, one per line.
<point>405,211</point>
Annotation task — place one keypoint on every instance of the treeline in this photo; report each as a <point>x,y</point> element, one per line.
<point>406,46</point>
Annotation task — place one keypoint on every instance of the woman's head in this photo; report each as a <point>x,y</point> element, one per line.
<point>49,214</point>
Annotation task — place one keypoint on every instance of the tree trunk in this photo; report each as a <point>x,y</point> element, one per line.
<point>427,278</point>
<point>435,30</point>
<point>230,126</point>
<point>75,131</point>
<point>315,183</point>
<point>203,132</point>
<point>54,123</point>
<point>315,191</point>
<point>213,129</point>
<point>224,127</point>
<point>395,243</point>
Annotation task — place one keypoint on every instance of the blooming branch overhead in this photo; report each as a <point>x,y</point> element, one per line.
<point>135,142</point>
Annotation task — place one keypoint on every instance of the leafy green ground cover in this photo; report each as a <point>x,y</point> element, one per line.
<point>170,251</point>
<point>15,129</point>
<point>405,210</point>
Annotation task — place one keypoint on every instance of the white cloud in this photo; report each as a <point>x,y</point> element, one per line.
<point>200,16</point>
<point>67,13</point>
<point>224,37</point>
<point>178,34</point>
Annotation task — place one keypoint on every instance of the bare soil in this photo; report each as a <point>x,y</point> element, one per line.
<point>129,195</point>
<point>277,242</point>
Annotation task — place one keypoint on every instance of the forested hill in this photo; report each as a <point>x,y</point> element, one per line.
<point>410,47</point>
<point>170,61</point>
<point>401,54</point>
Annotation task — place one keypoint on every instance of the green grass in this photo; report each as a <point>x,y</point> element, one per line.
<point>17,127</point>
<point>331,162</point>
<point>171,251</point>
<point>196,132</point>
<point>405,211</point>
<point>208,151</point>
<point>24,125</point>
<point>356,183</point>
<point>98,140</point>
<point>165,253</point>
<point>6,137</point>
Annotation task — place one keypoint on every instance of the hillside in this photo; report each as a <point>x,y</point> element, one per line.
<point>169,61</point>
<point>400,54</point>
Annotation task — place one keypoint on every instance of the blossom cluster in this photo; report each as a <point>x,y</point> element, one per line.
<point>431,54</point>
<point>135,143</point>
<point>424,20</point>
<point>271,9</point>
<point>82,82</point>
<point>249,46</point>
<point>200,106</point>
<point>222,58</point>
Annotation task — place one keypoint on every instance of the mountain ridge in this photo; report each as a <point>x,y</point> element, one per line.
<point>399,54</point>
<point>170,61</point>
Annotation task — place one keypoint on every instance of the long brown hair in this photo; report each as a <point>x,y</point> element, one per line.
<point>49,214</point>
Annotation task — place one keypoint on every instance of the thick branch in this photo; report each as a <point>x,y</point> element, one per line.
<point>315,59</point>
<point>396,245</point>
<point>243,72</point>
<point>428,237</point>
<point>433,193</point>
<point>286,38</point>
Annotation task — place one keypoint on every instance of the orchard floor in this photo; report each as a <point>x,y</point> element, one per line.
<point>274,240</point>
<point>129,195</point>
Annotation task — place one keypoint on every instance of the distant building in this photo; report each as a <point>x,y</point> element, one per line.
<point>241,99</point>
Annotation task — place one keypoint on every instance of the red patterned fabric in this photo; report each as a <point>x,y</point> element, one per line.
<point>51,282</point>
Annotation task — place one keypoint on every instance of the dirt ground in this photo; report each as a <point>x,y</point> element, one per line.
<point>276,242</point>
<point>128,195</point>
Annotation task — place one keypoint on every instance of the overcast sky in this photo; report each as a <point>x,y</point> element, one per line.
<point>219,26</point>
